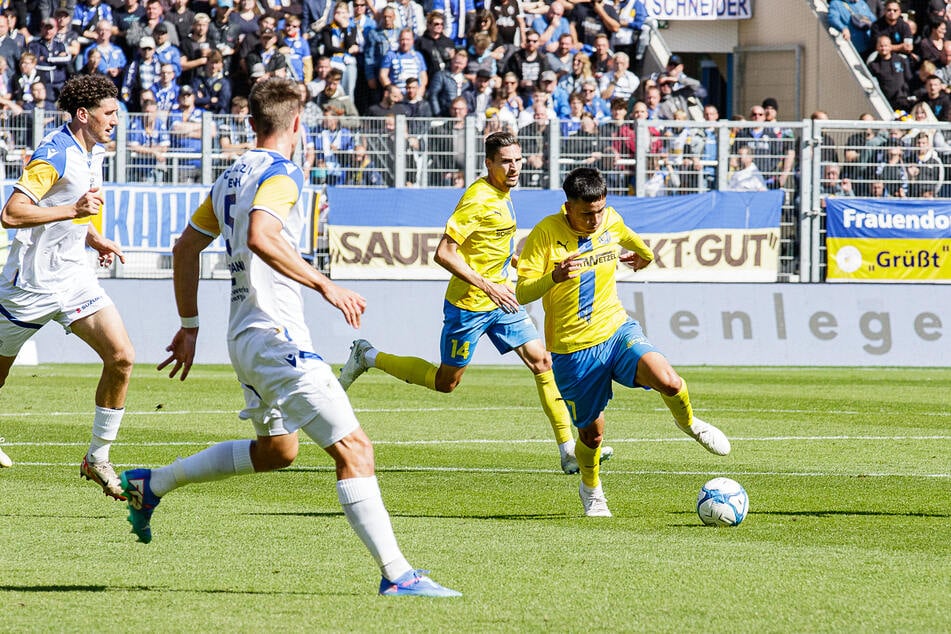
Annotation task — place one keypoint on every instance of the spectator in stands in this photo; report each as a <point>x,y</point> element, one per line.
<point>509,18</point>
<point>331,142</point>
<point>483,54</point>
<point>621,148</point>
<point>322,70</point>
<point>552,26</point>
<point>154,14</point>
<point>20,37</point>
<point>593,103</point>
<point>93,62</point>
<point>363,171</point>
<point>418,107</point>
<point>247,17</point>
<point>391,103</point>
<point>333,95</point>
<point>561,60</point>
<point>382,40</point>
<point>40,99</point>
<point>935,95</point>
<point>296,49</point>
<point>534,139</point>
<point>184,124</point>
<point>449,83</point>
<point>631,36</point>
<point>556,100</point>
<point>449,149</point>
<point>196,45</point>
<point>893,26</point>
<point>746,176</point>
<point>580,72</point>
<point>652,99</point>
<point>397,66</point>
<point>458,15</point>
<point>478,94</point>
<point>833,184</point>
<point>602,58</point>
<point>181,17</point>
<point>892,171</point>
<point>315,15</point>
<point>52,58</point>
<point>338,41</point>
<point>572,123</point>
<point>26,77</point>
<point>112,60</point>
<point>931,47</point>
<point>63,34</point>
<point>783,146</point>
<point>859,155</point>
<point>510,101</point>
<point>143,73</point>
<point>8,46</point>
<point>165,50</point>
<point>925,172</point>
<point>125,15</point>
<point>484,23</point>
<point>593,18</point>
<point>235,134</point>
<point>166,90</point>
<point>917,85</point>
<point>527,64</point>
<point>86,17</point>
<point>410,15</point>
<point>212,88</point>
<point>619,83</point>
<point>853,18</point>
<point>677,92</point>
<point>893,73</point>
<point>921,113</point>
<point>149,141</point>
<point>437,49</point>
<point>225,33</point>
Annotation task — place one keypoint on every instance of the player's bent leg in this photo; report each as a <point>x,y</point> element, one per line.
<point>537,359</point>
<point>654,371</point>
<point>448,377</point>
<point>362,503</point>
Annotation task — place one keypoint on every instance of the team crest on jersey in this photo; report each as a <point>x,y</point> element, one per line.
<point>605,238</point>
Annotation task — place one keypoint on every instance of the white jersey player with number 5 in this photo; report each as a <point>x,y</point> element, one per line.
<point>256,207</point>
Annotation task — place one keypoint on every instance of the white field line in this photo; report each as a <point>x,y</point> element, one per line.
<point>497,470</point>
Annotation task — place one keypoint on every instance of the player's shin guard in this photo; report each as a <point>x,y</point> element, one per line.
<point>589,463</point>
<point>554,406</point>
<point>363,506</point>
<point>105,428</point>
<point>679,406</point>
<point>410,369</point>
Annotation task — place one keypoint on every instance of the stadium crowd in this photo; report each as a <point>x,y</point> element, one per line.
<point>521,65</point>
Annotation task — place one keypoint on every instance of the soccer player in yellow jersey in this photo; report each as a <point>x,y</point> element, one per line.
<point>569,261</point>
<point>477,248</point>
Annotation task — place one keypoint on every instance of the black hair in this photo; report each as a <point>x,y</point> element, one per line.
<point>585,184</point>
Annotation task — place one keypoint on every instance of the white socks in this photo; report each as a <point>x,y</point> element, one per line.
<point>219,461</point>
<point>105,428</point>
<point>363,506</point>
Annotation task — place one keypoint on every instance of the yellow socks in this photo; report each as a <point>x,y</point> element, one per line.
<point>589,464</point>
<point>554,406</point>
<point>679,405</point>
<point>410,369</point>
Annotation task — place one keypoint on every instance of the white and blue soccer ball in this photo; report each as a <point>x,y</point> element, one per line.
<point>722,502</point>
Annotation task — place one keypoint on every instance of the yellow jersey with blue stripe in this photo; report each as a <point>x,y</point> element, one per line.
<point>483,224</point>
<point>585,310</point>
<point>260,180</point>
<point>50,257</point>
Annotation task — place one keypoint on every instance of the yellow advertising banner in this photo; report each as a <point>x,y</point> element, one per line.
<point>889,260</point>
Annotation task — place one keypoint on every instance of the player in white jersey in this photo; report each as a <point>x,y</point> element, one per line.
<point>256,207</point>
<point>55,207</point>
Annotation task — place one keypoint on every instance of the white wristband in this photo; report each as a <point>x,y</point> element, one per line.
<point>190,322</point>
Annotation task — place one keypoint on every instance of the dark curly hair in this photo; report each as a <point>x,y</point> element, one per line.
<point>86,91</point>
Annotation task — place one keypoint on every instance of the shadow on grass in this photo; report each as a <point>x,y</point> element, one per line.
<point>92,588</point>
<point>468,516</point>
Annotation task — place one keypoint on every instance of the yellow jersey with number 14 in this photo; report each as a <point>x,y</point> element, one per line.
<point>483,224</point>
<point>585,310</point>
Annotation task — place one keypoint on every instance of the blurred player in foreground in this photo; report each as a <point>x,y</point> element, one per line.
<point>55,207</point>
<point>256,207</point>
<point>570,261</point>
<point>477,248</point>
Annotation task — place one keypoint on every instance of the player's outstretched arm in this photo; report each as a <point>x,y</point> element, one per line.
<point>21,212</point>
<point>266,241</point>
<point>186,262</point>
<point>448,257</point>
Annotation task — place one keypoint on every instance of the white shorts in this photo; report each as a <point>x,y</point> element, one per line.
<point>22,312</point>
<point>286,388</point>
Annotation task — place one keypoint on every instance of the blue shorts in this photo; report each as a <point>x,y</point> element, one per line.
<point>462,329</point>
<point>584,377</point>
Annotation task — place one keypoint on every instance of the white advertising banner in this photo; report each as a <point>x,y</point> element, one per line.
<point>700,9</point>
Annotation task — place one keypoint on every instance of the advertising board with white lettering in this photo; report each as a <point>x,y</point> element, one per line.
<point>700,9</point>
<point>715,237</point>
<point>888,240</point>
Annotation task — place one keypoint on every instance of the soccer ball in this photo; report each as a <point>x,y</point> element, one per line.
<point>722,502</point>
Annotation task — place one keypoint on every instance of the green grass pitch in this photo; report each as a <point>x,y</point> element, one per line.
<point>848,472</point>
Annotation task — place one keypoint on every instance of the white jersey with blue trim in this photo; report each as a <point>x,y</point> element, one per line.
<point>52,256</point>
<point>260,296</point>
